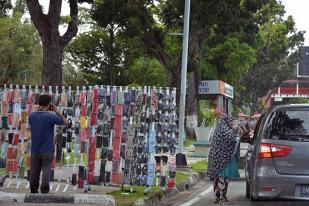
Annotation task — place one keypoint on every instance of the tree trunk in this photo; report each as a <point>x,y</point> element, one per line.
<point>53,44</point>
<point>191,104</point>
<point>52,61</point>
<point>192,98</point>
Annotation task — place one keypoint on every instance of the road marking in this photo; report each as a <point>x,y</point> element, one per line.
<point>198,197</point>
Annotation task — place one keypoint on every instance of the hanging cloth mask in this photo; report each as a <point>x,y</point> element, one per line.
<point>76,98</point>
<point>120,99</point>
<point>10,96</point>
<point>69,98</point>
<point>23,130</point>
<point>17,98</point>
<point>4,98</point>
<point>77,114</point>
<point>36,96</point>
<point>16,121</point>
<point>56,99</point>
<point>64,99</point>
<point>30,97</point>
<point>114,97</point>
<point>1,95</point>
<point>83,122</point>
<point>24,116</point>
<point>89,96</point>
<point>17,108</point>
<point>83,97</point>
<point>154,100</point>
<point>30,108</point>
<point>139,104</point>
<point>23,96</point>
<point>5,124</point>
<point>4,109</point>
<point>102,94</point>
<point>95,95</point>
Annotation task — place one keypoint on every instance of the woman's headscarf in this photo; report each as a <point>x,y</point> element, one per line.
<point>222,147</point>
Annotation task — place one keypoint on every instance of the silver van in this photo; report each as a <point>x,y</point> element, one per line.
<point>277,160</point>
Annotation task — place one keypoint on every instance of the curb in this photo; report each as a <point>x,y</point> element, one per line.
<point>48,198</point>
<point>55,198</point>
<point>160,196</point>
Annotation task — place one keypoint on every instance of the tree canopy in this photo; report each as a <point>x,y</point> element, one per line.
<point>247,43</point>
<point>226,42</point>
<point>5,5</point>
<point>20,51</point>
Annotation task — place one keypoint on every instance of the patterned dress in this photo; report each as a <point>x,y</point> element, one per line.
<point>221,158</point>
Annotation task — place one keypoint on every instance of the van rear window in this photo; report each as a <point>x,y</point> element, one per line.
<point>291,125</point>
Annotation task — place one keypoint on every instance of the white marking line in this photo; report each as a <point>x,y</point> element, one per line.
<point>57,188</point>
<point>66,187</point>
<point>17,184</point>
<point>198,197</point>
<point>9,184</point>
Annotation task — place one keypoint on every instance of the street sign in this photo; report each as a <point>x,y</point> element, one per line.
<point>303,64</point>
<point>216,87</point>
<point>209,87</point>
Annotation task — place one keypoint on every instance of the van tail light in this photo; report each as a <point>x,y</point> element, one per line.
<point>267,189</point>
<point>273,150</point>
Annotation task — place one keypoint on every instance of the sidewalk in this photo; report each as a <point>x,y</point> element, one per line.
<point>62,192</point>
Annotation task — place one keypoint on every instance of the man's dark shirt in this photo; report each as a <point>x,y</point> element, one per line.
<point>42,131</point>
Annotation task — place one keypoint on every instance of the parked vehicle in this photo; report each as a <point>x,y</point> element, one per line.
<point>277,160</point>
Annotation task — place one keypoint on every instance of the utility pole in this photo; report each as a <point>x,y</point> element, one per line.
<point>181,158</point>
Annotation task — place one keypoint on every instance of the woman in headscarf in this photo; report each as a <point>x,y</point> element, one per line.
<point>222,160</point>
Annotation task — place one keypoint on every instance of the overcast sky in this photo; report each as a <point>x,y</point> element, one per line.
<point>299,10</point>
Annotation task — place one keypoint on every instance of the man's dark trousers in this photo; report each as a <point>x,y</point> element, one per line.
<point>40,162</point>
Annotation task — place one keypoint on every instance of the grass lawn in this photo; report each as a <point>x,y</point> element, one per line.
<point>2,171</point>
<point>181,177</point>
<point>189,141</point>
<point>127,198</point>
<point>199,166</point>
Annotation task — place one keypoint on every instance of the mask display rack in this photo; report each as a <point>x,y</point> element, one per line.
<point>114,135</point>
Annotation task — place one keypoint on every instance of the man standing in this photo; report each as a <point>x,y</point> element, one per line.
<point>42,124</point>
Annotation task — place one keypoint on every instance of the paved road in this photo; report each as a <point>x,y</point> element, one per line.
<point>202,195</point>
<point>42,204</point>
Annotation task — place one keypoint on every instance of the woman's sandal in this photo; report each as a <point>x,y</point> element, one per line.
<point>217,201</point>
<point>225,201</point>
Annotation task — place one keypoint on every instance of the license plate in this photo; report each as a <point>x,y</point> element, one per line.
<point>304,190</point>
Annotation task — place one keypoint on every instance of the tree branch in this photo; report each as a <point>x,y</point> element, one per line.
<point>72,28</point>
<point>38,18</point>
<point>54,12</point>
<point>151,40</point>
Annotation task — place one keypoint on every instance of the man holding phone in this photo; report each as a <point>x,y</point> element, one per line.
<point>42,124</point>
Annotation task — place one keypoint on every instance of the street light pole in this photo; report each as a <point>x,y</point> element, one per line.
<point>181,157</point>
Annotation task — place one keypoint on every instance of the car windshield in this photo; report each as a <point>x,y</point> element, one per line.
<point>289,125</point>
